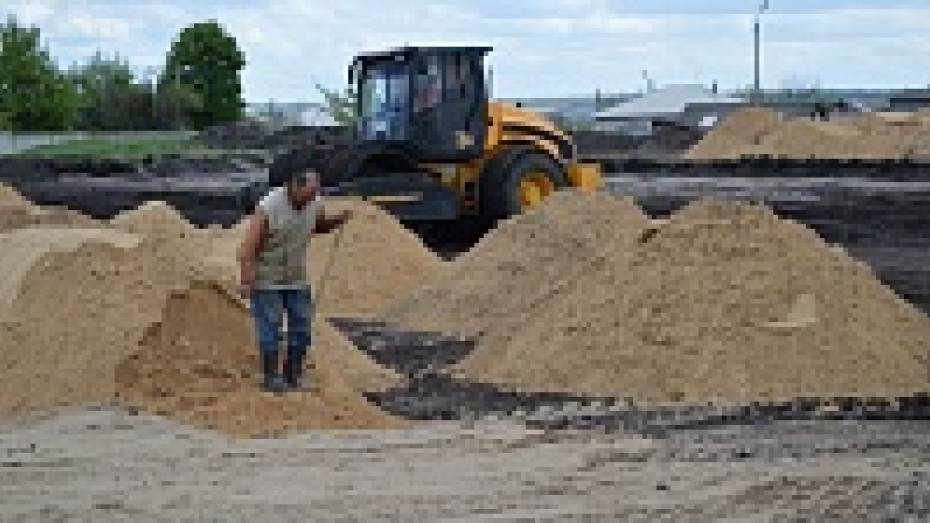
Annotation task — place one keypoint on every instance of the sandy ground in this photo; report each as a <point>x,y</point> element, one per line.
<point>104,464</point>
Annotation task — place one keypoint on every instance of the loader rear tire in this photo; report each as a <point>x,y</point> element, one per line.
<point>522,185</point>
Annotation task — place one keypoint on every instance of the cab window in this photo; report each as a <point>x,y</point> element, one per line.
<point>428,84</point>
<point>458,77</point>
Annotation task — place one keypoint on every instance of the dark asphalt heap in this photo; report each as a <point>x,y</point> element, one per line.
<point>432,395</point>
<point>205,190</point>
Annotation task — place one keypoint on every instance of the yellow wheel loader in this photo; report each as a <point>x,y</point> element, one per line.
<point>430,147</point>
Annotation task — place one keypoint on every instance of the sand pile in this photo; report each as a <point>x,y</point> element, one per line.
<point>221,245</point>
<point>523,262</point>
<point>153,218</point>
<point>78,313</point>
<point>376,261</point>
<point>200,365</point>
<point>217,249</point>
<point>725,303</point>
<point>10,197</point>
<point>18,212</point>
<point>23,249</point>
<point>741,131</point>
<point>214,246</point>
<point>84,301</point>
<point>76,303</point>
<point>866,136</point>
<point>17,218</point>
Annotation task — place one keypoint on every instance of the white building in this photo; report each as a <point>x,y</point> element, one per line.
<point>315,116</point>
<point>668,104</point>
<point>290,114</point>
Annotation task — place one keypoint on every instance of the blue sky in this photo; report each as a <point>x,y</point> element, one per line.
<point>542,47</point>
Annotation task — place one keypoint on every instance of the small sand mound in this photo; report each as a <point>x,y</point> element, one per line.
<point>376,261</point>
<point>725,303</point>
<point>521,263</point>
<point>155,217</point>
<point>200,365</point>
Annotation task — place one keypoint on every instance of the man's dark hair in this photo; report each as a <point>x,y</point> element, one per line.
<point>288,166</point>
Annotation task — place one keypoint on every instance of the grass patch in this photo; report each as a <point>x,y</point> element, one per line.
<point>130,148</point>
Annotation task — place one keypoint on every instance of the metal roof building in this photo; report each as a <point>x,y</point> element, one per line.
<point>668,104</point>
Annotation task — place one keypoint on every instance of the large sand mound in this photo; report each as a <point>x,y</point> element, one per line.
<point>739,133</point>
<point>867,136</point>
<point>200,365</point>
<point>521,263</point>
<point>725,303</point>
<point>77,313</point>
<point>22,249</point>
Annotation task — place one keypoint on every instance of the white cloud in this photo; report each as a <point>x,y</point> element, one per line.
<point>32,12</point>
<point>591,23</point>
<point>99,27</point>
<point>555,46</point>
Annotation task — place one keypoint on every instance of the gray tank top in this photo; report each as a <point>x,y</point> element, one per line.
<point>282,261</point>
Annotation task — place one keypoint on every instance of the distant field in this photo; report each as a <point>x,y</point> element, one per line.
<point>127,148</point>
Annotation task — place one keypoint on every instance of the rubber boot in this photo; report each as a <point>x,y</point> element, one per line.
<point>272,380</point>
<point>294,369</point>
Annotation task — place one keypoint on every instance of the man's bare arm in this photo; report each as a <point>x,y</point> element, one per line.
<point>248,250</point>
<point>325,223</point>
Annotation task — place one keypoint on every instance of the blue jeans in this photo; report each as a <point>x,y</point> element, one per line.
<point>268,307</point>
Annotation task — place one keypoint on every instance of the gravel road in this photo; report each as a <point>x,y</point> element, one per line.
<point>102,463</point>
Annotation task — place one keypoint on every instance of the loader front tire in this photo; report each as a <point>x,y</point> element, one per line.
<point>522,185</point>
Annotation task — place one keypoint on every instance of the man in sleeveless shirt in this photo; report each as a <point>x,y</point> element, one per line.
<point>273,264</point>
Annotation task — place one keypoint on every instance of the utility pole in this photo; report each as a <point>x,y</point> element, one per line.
<point>757,84</point>
<point>150,79</point>
<point>177,100</point>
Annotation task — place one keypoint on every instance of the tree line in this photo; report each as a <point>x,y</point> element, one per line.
<point>198,86</point>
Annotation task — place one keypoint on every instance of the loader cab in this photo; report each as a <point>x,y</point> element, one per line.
<point>429,101</point>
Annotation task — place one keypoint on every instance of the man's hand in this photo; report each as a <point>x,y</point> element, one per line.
<point>346,216</point>
<point>246,278</point>
<point>312,192</point>
<point>246,287</point>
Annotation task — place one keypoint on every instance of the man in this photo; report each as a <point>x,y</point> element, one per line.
<point>273,264</point>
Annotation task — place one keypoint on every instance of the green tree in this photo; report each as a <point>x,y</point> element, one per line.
<point>175,103</point>
<point>110,98</point>
<point>341,106</point>
<point>34,95</point>
<point>208,60</point>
